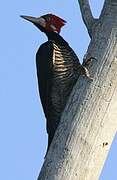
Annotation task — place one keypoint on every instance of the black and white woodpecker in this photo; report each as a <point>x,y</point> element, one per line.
<point>58,69</point>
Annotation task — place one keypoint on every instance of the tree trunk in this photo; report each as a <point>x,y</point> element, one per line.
<point>89,121</point>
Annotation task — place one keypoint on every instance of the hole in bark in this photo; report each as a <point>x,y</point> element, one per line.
<point>105,144</point>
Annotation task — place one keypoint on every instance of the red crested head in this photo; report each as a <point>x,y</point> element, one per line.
<point>53,22</point>
<point>49,22</point>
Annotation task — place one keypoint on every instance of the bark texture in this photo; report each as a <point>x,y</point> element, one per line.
<point>89,122</point>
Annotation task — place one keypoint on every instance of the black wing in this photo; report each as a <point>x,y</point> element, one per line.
<point>44,73</point>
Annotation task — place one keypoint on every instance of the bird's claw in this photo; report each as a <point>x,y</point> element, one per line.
<point>88,61</point>
<point>85,72</point>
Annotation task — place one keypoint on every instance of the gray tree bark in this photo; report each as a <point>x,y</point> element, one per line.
<point>89,121</point>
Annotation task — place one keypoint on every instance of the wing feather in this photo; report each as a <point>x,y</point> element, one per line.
<point>44,74</point>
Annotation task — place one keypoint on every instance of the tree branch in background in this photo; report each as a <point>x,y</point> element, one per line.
<point>87,16</point>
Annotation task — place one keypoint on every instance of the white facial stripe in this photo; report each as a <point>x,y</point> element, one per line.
<point>53,27</point>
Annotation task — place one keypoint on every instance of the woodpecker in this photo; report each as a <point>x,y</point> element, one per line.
<point>58,69</point>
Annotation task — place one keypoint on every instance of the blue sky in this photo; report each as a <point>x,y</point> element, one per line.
<point>22,131</point>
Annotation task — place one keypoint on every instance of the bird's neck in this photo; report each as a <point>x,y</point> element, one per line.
<point>53,36</point>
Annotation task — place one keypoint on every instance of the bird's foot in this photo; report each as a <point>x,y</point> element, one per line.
<point>86,73</point>
<point>88,61</point>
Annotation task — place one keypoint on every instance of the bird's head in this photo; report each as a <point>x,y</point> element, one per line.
<point>48,22</point>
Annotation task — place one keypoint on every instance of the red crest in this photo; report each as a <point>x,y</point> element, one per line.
<point>54,23</point>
